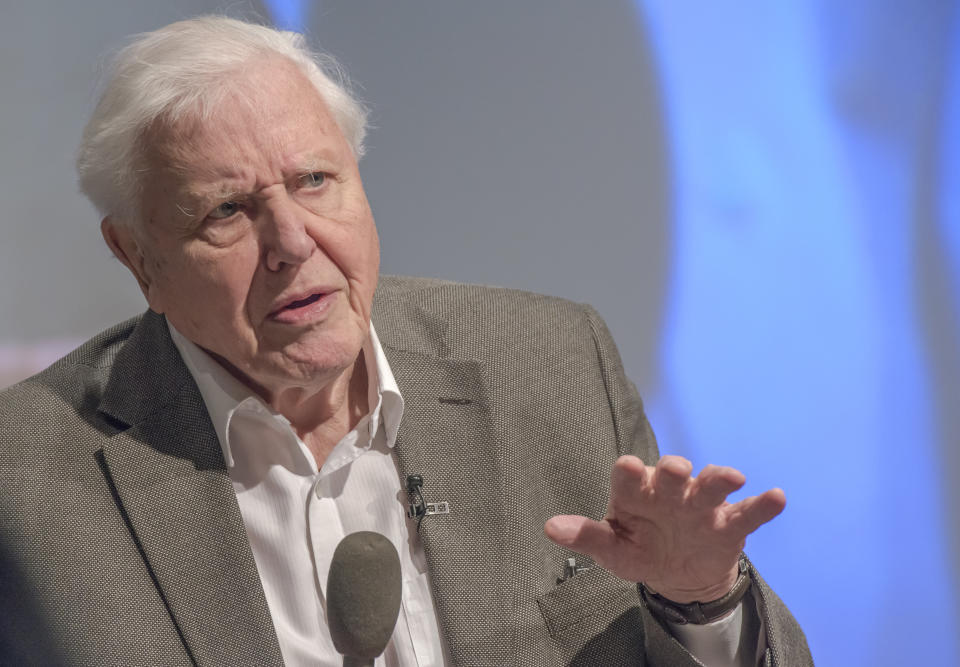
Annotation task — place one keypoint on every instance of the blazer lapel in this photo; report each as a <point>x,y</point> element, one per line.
<point>446,435</point>
<point>171,482</point>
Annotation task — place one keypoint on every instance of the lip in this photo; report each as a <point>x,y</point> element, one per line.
<point>317,301</point>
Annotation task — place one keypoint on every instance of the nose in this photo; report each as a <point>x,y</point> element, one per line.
<point>284,235</point>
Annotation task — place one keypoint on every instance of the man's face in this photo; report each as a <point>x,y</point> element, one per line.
<point>258,243</point>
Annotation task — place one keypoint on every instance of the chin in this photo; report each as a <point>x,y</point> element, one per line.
<point>318,360</point>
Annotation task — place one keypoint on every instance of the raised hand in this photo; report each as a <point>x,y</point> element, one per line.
<point>674,532</point>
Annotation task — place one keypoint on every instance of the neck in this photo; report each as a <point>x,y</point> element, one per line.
<point>321,419</point>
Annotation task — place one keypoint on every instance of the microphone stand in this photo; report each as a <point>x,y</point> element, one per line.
<point>350,661</point>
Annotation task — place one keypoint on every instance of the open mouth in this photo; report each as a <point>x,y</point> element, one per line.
<point>310,308</point>
<point>293,305</point>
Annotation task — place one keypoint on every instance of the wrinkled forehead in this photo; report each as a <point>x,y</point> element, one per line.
<point>266,111</point>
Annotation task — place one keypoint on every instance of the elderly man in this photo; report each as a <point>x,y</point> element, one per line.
<point>174,489</point>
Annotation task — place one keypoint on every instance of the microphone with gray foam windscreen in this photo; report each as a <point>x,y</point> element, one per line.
<point>363,596</point>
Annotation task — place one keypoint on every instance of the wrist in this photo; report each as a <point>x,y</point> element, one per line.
<point>704,594</point>
<point>699,610</point>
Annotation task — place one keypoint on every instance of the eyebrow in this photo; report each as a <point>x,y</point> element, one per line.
<point>216,193</point>
<point>223,192</point>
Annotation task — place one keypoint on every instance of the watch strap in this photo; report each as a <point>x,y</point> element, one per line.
<point>699,613</point>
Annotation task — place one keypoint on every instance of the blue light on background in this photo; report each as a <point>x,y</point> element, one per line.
<point>288,14</point>
<point>950,187</point>
<point>793,347</point>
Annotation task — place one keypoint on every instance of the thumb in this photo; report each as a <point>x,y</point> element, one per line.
<point>581,534</point>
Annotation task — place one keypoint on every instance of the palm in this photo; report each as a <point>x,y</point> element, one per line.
<point>674,532</point>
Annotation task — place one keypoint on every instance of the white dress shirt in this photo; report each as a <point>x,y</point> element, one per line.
<point>295,515</point>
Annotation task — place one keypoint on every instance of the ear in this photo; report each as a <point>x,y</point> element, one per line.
<point>124,244</point>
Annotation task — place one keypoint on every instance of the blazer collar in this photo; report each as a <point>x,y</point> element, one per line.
<point>168,472</point>
<point>171,481</point>
<point>448,436</point>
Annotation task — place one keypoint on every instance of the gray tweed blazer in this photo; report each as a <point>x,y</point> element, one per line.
<point>122,544</point>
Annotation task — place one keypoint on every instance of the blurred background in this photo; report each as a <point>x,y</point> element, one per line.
<point>761,198</point>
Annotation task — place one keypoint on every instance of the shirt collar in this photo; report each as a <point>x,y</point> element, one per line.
<point>223,394</point>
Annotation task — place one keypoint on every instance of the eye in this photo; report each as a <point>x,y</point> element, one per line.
<point>225,210</point>
<point>312,180</point>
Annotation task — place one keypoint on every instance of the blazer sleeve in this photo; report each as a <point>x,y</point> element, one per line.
<point>786,644</point>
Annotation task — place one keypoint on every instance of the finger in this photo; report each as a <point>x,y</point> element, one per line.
<point>714,483</point>
<point>630,477</point>
<point>751,513</point>
<point>671,476</point>
<point>581,534</point>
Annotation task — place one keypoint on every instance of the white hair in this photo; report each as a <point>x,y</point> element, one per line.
<point>179,70</point>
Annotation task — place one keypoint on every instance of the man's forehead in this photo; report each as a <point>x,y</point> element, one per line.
<point>273,91</point>
<point>284,128</point>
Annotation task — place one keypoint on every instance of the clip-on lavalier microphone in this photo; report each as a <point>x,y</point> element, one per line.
<point>419,508</point>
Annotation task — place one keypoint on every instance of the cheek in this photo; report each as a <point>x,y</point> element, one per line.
<point>359,261</point>
<point>355,247</point>
<point>209,293</point>
<point>346,233</point>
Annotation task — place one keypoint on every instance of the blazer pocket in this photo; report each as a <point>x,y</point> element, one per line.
<point>587,604</point>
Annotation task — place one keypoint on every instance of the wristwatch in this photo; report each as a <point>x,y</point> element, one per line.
<point>698,613</point>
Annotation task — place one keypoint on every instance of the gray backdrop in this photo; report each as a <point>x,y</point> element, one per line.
<point>502,152</point>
